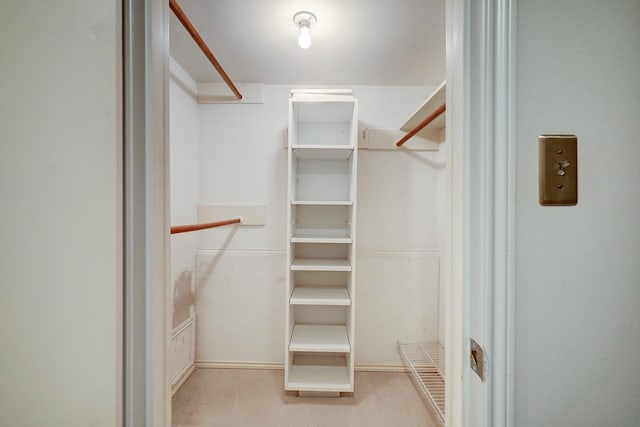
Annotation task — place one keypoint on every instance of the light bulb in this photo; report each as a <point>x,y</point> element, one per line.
<point>304,39</point>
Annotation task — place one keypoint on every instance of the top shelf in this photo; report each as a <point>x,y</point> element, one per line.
<point>323,106</point>
<point>327,111</point>
<point>437,98</point>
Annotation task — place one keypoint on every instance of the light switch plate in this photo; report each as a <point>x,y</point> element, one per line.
<point>558,169</point>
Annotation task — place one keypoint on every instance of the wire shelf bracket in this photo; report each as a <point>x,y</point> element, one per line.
<point>426,366</point>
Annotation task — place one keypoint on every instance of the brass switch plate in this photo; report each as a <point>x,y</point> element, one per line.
<point>558,155</point>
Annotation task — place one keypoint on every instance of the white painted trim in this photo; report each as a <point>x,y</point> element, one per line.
<point>183,374</point>
<point>184,325</point>
<point>504,214</point>
<point>147,397</point>
<point>214,364</point>
<point>490,246</point>
<point>159,246</point>
<point>182,378</point>
<point>453,262</point>
<point>182,78</point>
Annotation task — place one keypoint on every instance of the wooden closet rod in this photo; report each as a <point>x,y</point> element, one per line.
<point>182,17</point>
<point>195,227</point>
<point>441,109</point>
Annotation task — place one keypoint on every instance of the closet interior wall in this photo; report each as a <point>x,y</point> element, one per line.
<point>238,278</point>
<point>184,185</point>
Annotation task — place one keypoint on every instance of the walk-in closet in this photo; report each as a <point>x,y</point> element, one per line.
<point>310,217</point>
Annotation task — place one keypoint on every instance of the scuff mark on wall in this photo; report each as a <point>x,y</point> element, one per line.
<point>183,298</point>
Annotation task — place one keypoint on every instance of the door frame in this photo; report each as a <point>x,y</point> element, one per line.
<point>146,240</point>
<point>504,29</point>
<point>146,319</point>
<point>481,71</point>
<point>452,259</point>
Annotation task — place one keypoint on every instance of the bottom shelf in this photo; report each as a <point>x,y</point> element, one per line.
<point>426,364</point>
<point>319,373</point>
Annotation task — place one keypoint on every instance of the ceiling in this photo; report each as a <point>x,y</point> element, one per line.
<point>355,42</point>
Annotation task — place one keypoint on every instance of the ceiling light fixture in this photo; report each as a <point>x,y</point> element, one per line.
<point>304,20</point>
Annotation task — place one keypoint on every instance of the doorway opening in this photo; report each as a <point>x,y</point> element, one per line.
<point>228,284</point>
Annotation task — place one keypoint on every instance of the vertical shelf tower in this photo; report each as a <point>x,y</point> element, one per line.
<point>321,236</point>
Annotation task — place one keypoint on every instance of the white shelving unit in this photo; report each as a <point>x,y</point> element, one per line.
<point>322,170</point>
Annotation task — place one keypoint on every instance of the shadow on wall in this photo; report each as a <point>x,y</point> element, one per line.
<point>420,156</point>
<point>183,298</point>
<point>203,277</point>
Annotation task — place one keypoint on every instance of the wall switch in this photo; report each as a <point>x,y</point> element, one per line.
<point>558,156</point>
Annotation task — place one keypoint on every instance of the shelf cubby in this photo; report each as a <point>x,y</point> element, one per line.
<point>319,373</point>
<point>320,264</point>
<point>320,338</point>
<point>320,295</point>
<point>323,123</point>
<point>322,180</point>
<point>321,224</point>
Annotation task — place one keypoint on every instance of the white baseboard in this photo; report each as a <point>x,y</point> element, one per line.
<point>211,364</point>
<point>182,379</point>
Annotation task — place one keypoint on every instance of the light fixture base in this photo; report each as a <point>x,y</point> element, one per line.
<point>305,18</point>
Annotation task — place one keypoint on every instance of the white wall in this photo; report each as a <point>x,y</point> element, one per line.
<point>60,184</point>
<point>240,270</point>
<point>578,271</point>
<point>184,142</point>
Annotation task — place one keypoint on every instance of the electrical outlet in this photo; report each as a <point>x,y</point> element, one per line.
<point>558,155</point>
<point>478,359</point>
